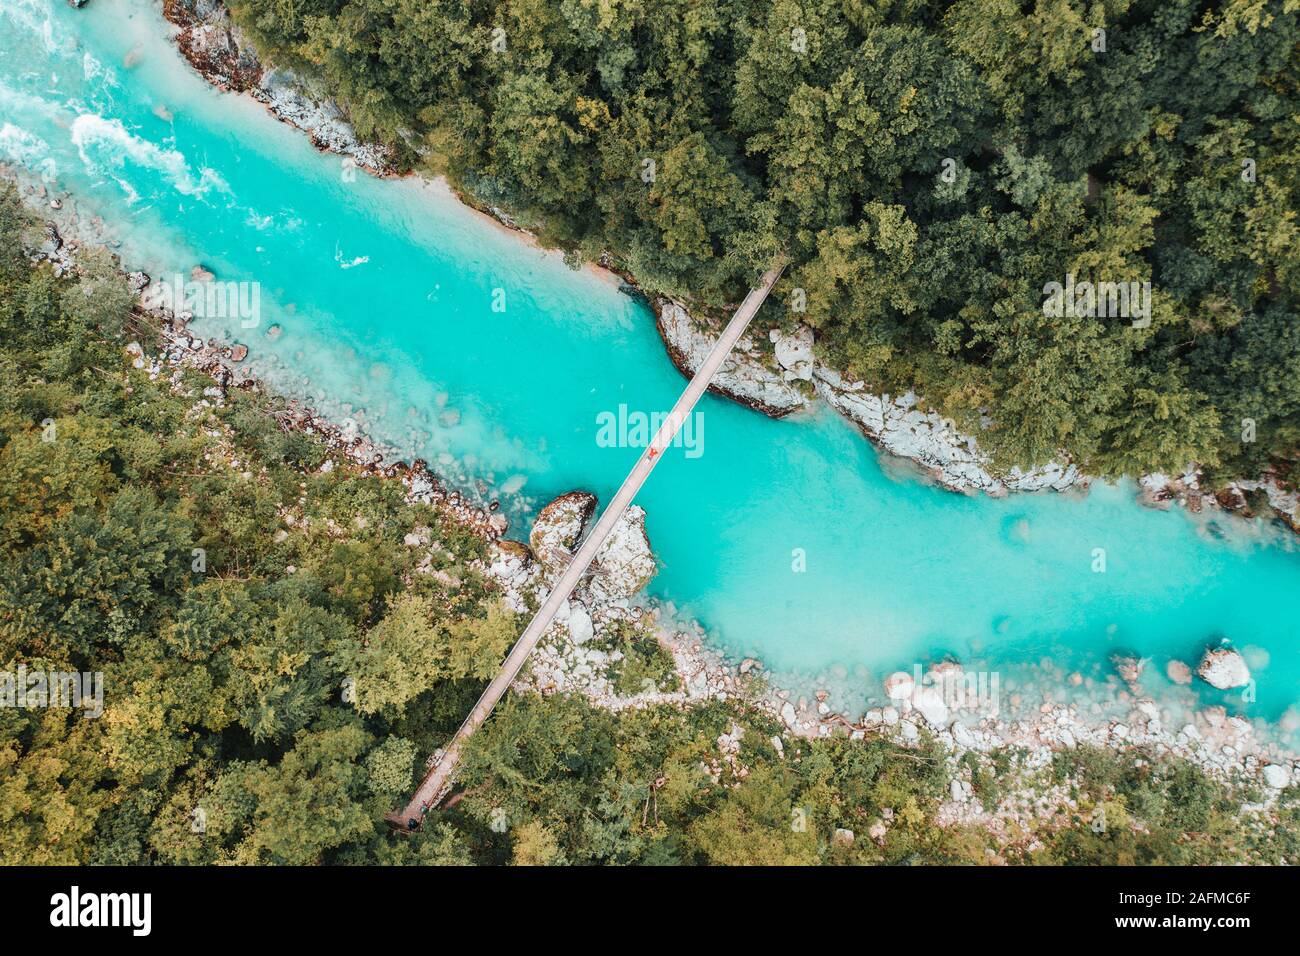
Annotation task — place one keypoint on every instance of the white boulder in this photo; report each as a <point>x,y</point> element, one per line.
<point>626,563</point>
<point>580,626</point>
<point>558,527</point>
<point>794,352</point>
<point>929,701</point>
<point>899,685</point>
<point>788,715</point>
<point>1222,667</point>
<point>1277,776</point>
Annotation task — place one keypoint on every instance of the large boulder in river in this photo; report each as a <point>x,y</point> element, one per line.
<point>1222,667</point>
<point>558,527</point>
<point>626,563</point>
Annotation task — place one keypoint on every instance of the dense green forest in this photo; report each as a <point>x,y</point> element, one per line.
<point>929,167</point>
<point>269,696</point>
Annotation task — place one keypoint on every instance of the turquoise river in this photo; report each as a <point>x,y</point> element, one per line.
<point>384,294</point>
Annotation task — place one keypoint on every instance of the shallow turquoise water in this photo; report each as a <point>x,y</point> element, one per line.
<point>385,290</point>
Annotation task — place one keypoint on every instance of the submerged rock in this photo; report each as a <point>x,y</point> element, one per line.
<point>1178,672</point>
<point>1129,669</point>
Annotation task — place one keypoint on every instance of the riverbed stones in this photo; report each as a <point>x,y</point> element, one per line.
<point>954,460</point>
<point>963,736</point>
<point>729,743</point>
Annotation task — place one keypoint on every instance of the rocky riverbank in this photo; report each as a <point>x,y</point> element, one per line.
<point>785,376</point>
<point>218,49</point>
<point>66,235</point>
<point>771,380</point>
<point>743,377</point>
<point>1125,704</point>
<point>1265,497</point>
